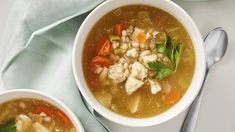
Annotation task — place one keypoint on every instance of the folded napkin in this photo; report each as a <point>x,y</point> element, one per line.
<point>38,47</point>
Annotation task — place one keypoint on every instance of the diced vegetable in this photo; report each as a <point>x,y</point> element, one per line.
<point>8,127</point>
<point>100,61</point>
<point>135,104</point>
<point>104,98</point>
<point>119,27</point>
<point>114,38</point>
<point>119,51</point>
<point>173,96</point>
<point>104,47</point>
<point>63,118</point>
<point>141,37</point>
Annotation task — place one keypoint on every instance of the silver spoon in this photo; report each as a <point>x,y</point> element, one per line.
<point>215,47</point>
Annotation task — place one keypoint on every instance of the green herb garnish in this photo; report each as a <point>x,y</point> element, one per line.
<point>173,51</point>
<point>8,127</point>
<point>161,69</point>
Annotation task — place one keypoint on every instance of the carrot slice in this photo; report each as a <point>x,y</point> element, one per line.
<point>141,37</point>
<point>63,118</point>
<point>119,27</point>
<point>43,109</point>
<point>173,96</point>
<point>100,61</point>
<point>104,47</point>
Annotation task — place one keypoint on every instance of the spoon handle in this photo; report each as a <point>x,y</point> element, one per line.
<point>190,121</point>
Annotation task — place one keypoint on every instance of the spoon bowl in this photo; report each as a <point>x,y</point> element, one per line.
<point>216,45</point>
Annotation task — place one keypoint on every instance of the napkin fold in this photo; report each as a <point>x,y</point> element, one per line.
<point>37,51</point>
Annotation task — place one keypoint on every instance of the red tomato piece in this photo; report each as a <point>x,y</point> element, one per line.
<point>100,61</point>
<point>119,28</point>
<point>104,47</point>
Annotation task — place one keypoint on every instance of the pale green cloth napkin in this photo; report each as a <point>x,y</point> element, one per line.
<point>38,47</point>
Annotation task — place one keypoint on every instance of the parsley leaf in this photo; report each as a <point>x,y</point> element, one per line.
<point>170,46</point>
<point>162,69</point>
<point>177,54</point>
<point>8,127</point>
<point>161,49</point>
<point>173,51</point>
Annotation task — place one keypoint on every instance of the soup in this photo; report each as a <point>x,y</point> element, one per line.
<point>138,61</point>
<point>31,115</point>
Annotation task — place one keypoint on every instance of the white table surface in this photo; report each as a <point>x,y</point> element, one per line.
<point>217,112</point>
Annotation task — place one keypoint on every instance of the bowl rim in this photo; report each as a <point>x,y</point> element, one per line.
<point>188,97</point>
<point>13,94</point>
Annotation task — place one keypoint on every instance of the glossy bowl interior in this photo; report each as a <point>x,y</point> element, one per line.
<point>26,93</point>
<point>194,87</point>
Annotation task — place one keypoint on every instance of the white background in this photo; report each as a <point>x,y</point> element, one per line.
<point>218,107</point>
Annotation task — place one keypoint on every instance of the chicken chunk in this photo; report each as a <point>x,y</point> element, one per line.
<point>132,53</point>
<point>132,85</point>
<point>148,58</point>
<point>118,72</point>
<point>135,44</point>
<point>122,60</point>
<point>24,123</point>
<point>98,70</point>
<point>155,87</point>
<point>144,53</point>
<point>138,71</point>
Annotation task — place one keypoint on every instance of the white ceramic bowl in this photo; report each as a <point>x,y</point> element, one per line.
<point>26,93</point>
<point>194,87</point>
